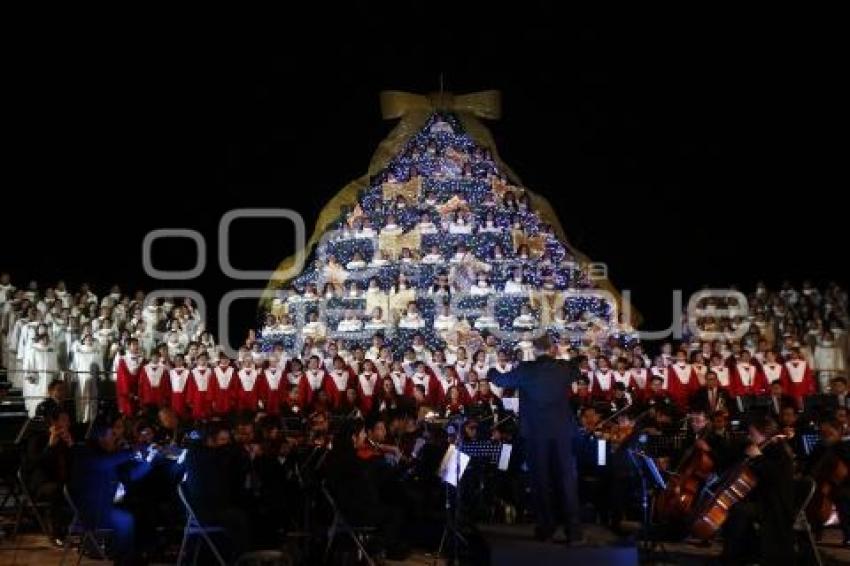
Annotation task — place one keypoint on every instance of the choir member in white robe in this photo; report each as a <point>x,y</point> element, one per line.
<point>40,368</point>
<point>87,365</point>
<point>350,323</point>
<point>829,361</point>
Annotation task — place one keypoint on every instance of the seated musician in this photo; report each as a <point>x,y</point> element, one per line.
<point>656,395</point>
<point>825,457</point>
<point>770,505</point>
<point>353,485</point>
<point>710,397</point>
<point>778,399</point>
<point>581,394</point>
<point>839,392</point>
<point>718,441</point>
<point>789,426</point>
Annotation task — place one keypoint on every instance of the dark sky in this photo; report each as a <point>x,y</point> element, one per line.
<point>699,154</point>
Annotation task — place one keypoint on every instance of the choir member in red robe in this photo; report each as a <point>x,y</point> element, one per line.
<point>340,379</point>
<point>296,382</point>
<point>367,385</point>
<point>225,387</point>
<point>179,385</point>
<point>273,389</point>
<point>401,381</point>
<point>248,390</point>
<point>682,381</point>
<point>801,380</point>
<point>602,386</point>
<point>747,378</point>
<point>316,379</point>
<point>640,380</point>
<point>200,394</point>
<point>154,388</point>
<point>722,371</point>
<point>454,403</point>
<point>424,376</point>
<point>774,370</point>
<point>127,369</point>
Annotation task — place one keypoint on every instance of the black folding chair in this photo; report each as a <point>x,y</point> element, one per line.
<point>85,534</point>
<point>27,503</point>
<point>804,490</point>
<point>195,528</point>
<point>340,526</point>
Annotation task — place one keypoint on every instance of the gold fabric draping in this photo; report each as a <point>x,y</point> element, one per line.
<point>394,243</point>
<point>414,111</point>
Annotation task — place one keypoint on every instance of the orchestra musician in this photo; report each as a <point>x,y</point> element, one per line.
<point>770,504</point>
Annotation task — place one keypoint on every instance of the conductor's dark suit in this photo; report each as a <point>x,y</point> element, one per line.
<point>548,426</point>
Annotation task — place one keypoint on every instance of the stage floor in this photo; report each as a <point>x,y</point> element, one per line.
<point>36,551</point>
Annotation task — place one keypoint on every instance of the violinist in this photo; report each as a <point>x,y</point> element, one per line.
<point>770,505</point>
<point>825,465</point>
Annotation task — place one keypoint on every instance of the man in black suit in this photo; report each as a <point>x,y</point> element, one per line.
<point>710,398</point>
<point>548,427</point>
<point>839,392</point>
<point>778,400</point>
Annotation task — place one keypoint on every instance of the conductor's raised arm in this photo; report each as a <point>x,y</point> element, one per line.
<point>510,379</point>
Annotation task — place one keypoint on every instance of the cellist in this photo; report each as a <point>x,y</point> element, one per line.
<point>771,504</point>
<point>821,465</point>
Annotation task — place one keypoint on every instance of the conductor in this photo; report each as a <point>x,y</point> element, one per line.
<point>548,427</point>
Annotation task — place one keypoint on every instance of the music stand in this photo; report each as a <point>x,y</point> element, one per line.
<point>452,528</point>
<point>649,545</point>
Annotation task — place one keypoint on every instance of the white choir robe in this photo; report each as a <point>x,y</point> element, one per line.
<point>40,368</point>
<point>86,365</point>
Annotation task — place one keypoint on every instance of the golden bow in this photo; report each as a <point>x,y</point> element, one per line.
<point>485,104</point>
<point>409,190</point>
<point>536,244</point>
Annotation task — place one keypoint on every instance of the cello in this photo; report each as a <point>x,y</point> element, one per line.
<point>831,472</point>
<point>738,483</point>
<point>678,499</point>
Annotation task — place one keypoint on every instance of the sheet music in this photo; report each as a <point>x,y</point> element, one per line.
<point>505,457</point>
<point>511,404</point>
<point>448,470</point>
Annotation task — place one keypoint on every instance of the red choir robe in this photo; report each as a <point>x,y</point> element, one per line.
<point>801,380</point>
<point>602,386</point>
<point>297,381</point>
<point>200,394</point>
<point>338,383</point>
<point>700,370</point>
<point>225,390</point>
<point>433,391</point>
<point>681,383</point>
<point>273,390</point>
<point>775,371</point>
<point>402,384</point>
<point>747,379</point>
<point>367,385</point>
<point>724,376</point>
<point>640,380</point>
<point>153,385</point>
<point>316,380</point>
<point>625,378</point>
<point>179,385</point>
<point>127,368</point>
<point>248,389</point>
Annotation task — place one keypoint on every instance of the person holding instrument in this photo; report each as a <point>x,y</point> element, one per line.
<point>770,505</point>
<point>548,427</point>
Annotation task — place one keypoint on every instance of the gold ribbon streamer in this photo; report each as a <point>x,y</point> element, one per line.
<point>414,111</point>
